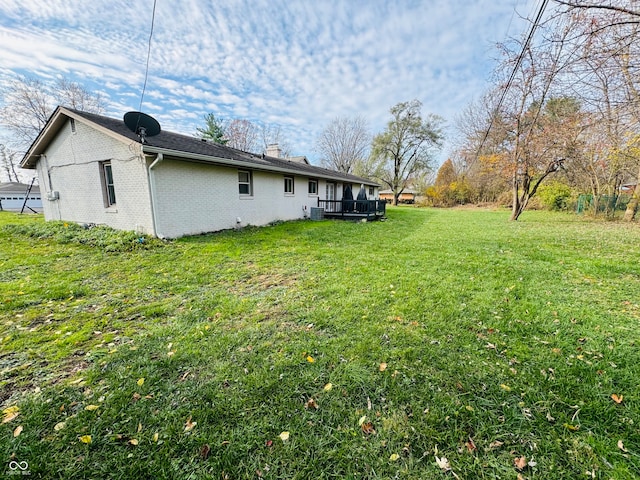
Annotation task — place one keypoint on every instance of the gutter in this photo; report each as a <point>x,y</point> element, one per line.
<point>152,194</point>
<point>197,157</point>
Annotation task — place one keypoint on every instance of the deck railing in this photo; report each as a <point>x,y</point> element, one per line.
<point>354,208</point>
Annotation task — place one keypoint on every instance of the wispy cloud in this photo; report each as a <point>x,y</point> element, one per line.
<point>297,64</point>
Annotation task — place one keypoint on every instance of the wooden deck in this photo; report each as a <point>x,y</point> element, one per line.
<point>354,209</point>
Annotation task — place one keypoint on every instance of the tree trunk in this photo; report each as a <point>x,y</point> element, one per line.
<point>518,206</point>
<point>632,206</point>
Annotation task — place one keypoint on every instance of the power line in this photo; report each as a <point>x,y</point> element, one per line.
<point>146,71</point>
<point>525,46</point>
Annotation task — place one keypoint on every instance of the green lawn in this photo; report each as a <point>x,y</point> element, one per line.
<point>396,349</point>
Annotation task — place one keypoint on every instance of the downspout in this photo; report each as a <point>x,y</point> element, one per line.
<point>152,194</point>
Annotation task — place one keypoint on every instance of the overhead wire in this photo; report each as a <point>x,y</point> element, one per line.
<point>146,71</point>
<point>519,59</point>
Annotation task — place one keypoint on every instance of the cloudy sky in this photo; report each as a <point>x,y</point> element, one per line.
<point>293,63</point>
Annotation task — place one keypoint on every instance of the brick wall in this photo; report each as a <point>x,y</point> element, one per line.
<point>72,168</point>
<point>192,198</point>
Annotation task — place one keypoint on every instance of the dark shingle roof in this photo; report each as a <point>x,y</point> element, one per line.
<point>185,144</point>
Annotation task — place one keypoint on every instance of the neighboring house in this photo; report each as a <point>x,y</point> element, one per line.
<point>93,169</point>
<point>407,196</point>
<point>13,194</point>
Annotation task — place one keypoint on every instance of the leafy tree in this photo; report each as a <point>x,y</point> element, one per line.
<point>213,130</point>
<point>450,188</point>
<point>343,145</point>
<point>555,195</point>
<point>446,174</point>
<point>407,146</point>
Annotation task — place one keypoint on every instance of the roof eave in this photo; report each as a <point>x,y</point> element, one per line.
<point>52,127</point>
<point>196,157</point>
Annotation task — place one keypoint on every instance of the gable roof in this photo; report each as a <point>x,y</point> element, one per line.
<point>176,145</point>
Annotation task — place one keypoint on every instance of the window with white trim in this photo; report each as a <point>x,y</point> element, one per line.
<point>288,185</point>
<point>108,187</point>
<point>245,183</point>
<point>313,187</point>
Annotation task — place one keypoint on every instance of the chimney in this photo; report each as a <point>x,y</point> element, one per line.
<point>273,150</point>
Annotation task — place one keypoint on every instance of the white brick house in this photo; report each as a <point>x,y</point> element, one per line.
<point>93,169</point>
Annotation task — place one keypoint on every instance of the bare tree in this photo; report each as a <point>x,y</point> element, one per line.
<point>482,155</point>
<point>27,104</point>
<point>406,147</point>
<point>26,108</point>
<point>74,95</point>
<point>344,143</point>
<point>9,163</point>
<point>271,134</point>
<point>243,135</point>
<point>610,75</point>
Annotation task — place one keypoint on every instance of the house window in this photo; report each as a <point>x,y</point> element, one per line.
<point>371,191</point>
<point>108,189</point>
<point>288,185</point>
<point>313,187</point>
<point>245,185</point>
<point>72,121</point>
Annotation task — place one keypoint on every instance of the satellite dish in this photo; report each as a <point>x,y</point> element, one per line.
<point>142,124</point>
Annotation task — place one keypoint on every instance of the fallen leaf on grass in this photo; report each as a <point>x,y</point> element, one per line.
<point>310,359</point>
<point>617,398</point>
<point>85,439</point>
<point>504,387</point>
<point>311,403</point>
<point>10,413</point>
<point>520,462</point>
<point>362,420</point>
<point>394,457</point>
<point>471,446</point>
<point>205,451</point>
<point>382,367</point>
<point>284,436</point>
<point>91,408</point>
<point>140,382</point>
<point>17,431</point>
<point>189,425</point>
<point>443,463</point>
<point>367,428</point>
<point>621,446</point>
<point>133,442</point>
<point>328,387</point>
<point>496,444</point>
<point>155,437</point>
<point>59,426</point>
<point>571,428</point>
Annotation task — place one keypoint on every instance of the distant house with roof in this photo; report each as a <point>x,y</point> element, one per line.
<point>13,195</point>
<point>93,169</point>
<point>408,195</point>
